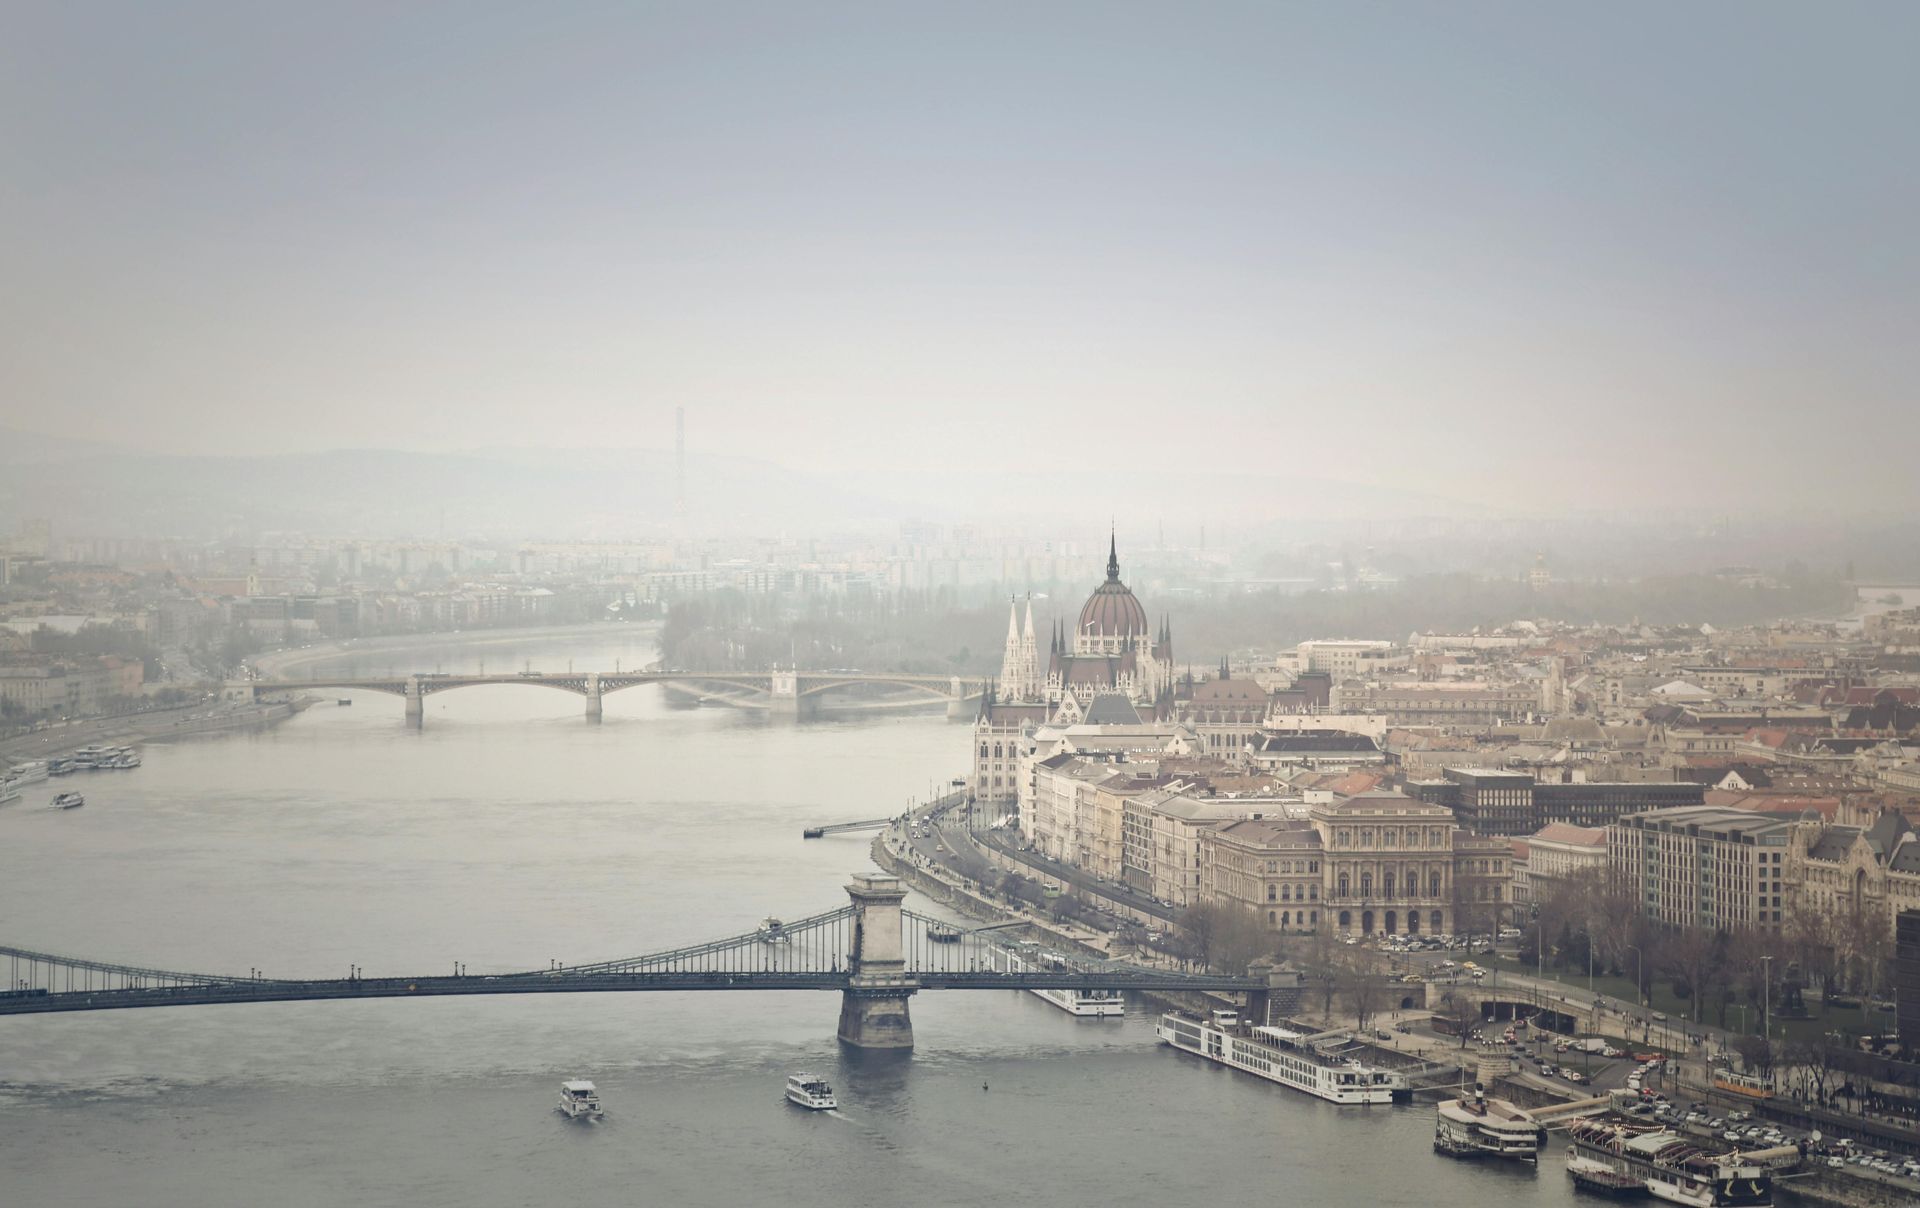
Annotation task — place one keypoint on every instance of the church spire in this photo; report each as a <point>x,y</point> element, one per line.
<point>1113,557</point>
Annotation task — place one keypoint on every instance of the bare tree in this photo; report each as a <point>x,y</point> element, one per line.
<point>1226,937</point>
<point>1363,990</point>
<point>1318,956</point>
<point>1690,956</point>
<point>1199,923</point>
<point>1868,945</point>
<point>1459,1010</point>
<point>1813,939</point>
<point>1756,1054</point>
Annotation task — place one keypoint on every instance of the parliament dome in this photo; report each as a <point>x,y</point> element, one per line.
<point>1112,611</point>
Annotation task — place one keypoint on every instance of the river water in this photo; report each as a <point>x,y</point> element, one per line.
<point>509,832</point>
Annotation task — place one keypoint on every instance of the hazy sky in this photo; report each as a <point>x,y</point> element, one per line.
<point>1666,250</point>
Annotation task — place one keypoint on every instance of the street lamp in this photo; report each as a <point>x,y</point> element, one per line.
<point>1766,998</point>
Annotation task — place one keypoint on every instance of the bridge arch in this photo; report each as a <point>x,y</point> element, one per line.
<point>931,692</point>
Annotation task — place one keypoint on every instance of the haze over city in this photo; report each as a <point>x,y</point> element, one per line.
<point>1088,604</point>
<point>1494,256</point>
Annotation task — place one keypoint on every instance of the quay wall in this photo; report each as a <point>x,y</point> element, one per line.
<point>1830,1188</point>
<point>145,727</point>
<point>976,904</point>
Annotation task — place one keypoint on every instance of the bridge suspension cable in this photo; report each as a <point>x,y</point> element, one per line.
<point>30,970</point>
<point>818,942</point>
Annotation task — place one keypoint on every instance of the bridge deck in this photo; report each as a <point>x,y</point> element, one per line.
<point>35,1003</point>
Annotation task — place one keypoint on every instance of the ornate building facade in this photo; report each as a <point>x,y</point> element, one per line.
<point>1371,863</point>
<point>1111,651</point>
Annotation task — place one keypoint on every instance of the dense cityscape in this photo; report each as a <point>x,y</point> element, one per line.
<point>1110,606</point>
<point>1705,833</point>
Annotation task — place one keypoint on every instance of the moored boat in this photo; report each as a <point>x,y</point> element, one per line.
<point>1591,1175</point>
<point>32,772</point>
<point>1087,1004</point>
<point>1320,1063</point>
<point>1615,1158</point>
<point>1474,1126</point>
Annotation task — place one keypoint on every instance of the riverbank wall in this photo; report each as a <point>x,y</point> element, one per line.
<point>157,726</point>
<point>975,903</point>
<point>1830,1188</point>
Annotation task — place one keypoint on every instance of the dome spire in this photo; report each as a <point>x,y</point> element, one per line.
<point>1113,557</point>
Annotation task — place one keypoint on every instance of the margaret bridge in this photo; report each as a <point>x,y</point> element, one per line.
<point>780,691</point>
<point>873,951</point>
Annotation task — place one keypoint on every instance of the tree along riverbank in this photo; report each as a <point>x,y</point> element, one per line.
<point>399,648</point>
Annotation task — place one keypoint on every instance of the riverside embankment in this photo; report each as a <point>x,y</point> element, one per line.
<point>154,725</point>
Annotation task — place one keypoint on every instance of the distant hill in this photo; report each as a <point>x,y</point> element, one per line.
<point>19,446</point>
<point>509,494</point>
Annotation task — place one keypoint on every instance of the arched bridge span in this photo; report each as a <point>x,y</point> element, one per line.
<point>780,691</point>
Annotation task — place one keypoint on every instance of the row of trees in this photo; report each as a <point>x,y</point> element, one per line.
<point>937,631</point>
<point>1231,938</point>
<point>1589,922</point>
<point>1592,921</point>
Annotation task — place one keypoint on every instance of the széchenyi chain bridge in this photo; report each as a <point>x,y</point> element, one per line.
<point>873,951</point>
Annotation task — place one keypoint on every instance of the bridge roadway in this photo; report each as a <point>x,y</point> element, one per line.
<point>778,690</point>
<point>342,989</point>
<point>873,951</point>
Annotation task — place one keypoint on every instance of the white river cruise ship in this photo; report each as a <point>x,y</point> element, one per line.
<point>1088,1004</point>
<point>1319,1063</point>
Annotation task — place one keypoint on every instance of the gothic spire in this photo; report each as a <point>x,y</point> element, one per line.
<point>1113,556</point>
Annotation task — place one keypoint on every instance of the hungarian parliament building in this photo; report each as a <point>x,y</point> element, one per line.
<point>1113,669</point>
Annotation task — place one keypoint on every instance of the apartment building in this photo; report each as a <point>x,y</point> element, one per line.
<point>1703,866</point>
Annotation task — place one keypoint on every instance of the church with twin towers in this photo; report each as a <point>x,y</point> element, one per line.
<point>1111,667</point>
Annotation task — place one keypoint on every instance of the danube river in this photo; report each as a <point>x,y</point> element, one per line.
<point>510,832</point>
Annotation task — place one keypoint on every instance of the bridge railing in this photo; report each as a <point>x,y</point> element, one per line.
<point>56,974</point>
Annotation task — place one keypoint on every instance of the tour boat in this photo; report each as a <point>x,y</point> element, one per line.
<point>1087,1004</point>
<point>1476,1126</point>
<point>121,757</point>
<point>811,1092</point>
<point>1591,1174</point>
<point>9,791</point>
<point>1621,1159</point>
<point>27,773</point>
<point>1320,1063</point>
<point>579,1099</point>
<point>68,801</point>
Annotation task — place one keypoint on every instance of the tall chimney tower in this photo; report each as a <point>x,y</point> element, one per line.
<point>680,461</point>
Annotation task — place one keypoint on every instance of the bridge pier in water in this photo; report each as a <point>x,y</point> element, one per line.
<point>593,698</point>
<point>959,708</point>
<point>416,703</point>
<point>783,695</point>
<point>873,1007</point>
